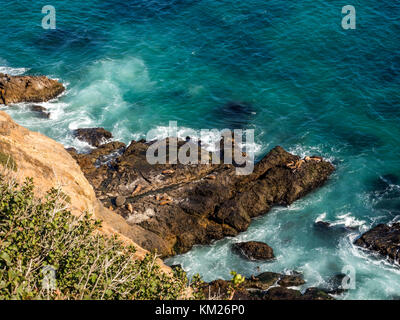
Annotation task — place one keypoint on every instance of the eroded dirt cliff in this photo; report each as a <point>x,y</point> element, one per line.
<point>31,154</point>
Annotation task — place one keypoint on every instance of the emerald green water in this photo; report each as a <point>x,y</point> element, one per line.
<point>309,86</point>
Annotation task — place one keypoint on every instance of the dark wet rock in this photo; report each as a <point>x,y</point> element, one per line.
<point>15,89</point>
<point>294,280</point>
<point>71,151</point>
<point>222,290</point>
<point>281,293</point>
<point>178,206</point>
<point>263,281</point>
<point>383,239</point>
<point>316,294</point>
<point>88,161</point>
<point>329,228</point>
<point>40,111</point>
<point>235,113</point>
<point>266,286</point>
<point>322,225</point>
<point>254,250</point>
<point>266,280</point>
<point>93,136</point>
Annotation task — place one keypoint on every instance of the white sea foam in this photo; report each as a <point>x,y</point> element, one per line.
<point>321,217</point>
<point>348,221</point>
<point>304,151</point>
<point>209,139</point>
<point>13,71</point>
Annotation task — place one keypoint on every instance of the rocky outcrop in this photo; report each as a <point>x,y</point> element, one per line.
<point>266,280</point>
<point>34,155</point>
<point>254,250</point>
<point>177,206</point>
<point>383,239</point>
<point>15,89</point>
<point>42,112</point>
<point>266,286</point>
<point>93,136</point>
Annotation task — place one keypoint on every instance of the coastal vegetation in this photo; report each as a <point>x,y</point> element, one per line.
<point>38,234</point>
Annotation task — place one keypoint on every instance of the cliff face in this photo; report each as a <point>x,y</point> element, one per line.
<point>34,155</point>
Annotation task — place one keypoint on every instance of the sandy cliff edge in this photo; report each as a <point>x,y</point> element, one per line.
<point>50,165</point>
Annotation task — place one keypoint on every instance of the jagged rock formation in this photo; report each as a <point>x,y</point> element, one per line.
<point>254,250</point>
<point>41,112</point>
<point>177,206</point>
<point>15,89</point>
<point>266,286</point>
<point>383,239</point>
<point>93,136</point>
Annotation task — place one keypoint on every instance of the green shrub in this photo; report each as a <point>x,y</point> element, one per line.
<point>88,265</point>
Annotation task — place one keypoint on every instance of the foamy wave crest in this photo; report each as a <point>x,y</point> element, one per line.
<point>13,71</point>
<point>209,138</point>
<point>349,221</point>
<point>304,151</point>
<point>321,218</point>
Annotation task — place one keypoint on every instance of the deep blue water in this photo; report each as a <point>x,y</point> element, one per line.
<point>306,84</point>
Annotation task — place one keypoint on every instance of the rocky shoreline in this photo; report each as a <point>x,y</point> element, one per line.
<point>172,207</point>
<point>383,240</point>
<point>178,206</point>
<point>266,286</point>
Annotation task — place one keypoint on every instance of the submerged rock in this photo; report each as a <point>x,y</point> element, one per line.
<point>254,250</point>
<point>93,136</point>
<point>322,225</point>
<point>235,114</point>
<point>178,206</point>
<point>327,227</point>
<point>40,111</point>
<point>383,239</point>
<point>15,89</point>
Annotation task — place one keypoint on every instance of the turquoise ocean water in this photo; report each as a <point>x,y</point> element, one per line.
<point>307,85</point>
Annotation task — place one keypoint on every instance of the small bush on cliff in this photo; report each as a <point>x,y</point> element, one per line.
<point>38,237</point>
